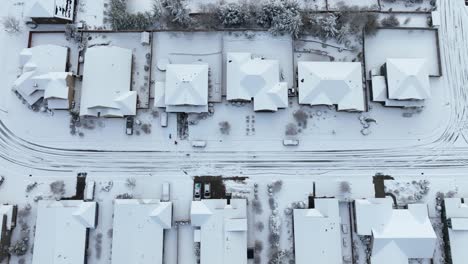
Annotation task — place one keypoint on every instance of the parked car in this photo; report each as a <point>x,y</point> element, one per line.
<point>129,130</point>
<point>198,143</point>
<point>207,191</point>
<point>163,119</point>
<point>166,192</point>
<point>197,191</point>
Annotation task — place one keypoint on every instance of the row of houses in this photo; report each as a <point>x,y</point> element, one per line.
<point>220,226</point>
<point>62,230</point>
<point>106,83</point>
<point>396,235</point>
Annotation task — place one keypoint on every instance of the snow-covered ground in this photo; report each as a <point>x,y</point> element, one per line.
<point>430,146</point>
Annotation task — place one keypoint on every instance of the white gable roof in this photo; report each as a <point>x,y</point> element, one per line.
<point>44,76</point>
<point>408,79</point>
<point>259,79</point>
<point>186,86</point>
<point>331,83</point>
<point>106,83</point>
<point>51,9</point>
<point>223,230</point>
<point>138,232</point>
<point>456,213</point>
<point>410,230</point>
<point>317,233</point>
<point>60,235</point>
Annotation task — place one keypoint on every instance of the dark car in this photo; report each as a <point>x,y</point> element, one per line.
<point>129,130</point>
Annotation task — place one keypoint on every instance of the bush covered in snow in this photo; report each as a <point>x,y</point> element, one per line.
<point>224,127</point>
<point>57,188</point>
<point>280,17</point>
<point>391,21</point>
<point>177,12</point>
<point>233,14</point>
<point>120,19</point>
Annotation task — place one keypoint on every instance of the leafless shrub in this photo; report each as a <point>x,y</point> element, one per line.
<point>301,117</point>
<point>225,127</point>
<point>257,206</point>
<point>130,183</point>
<point>146,128</point>
<point>291,129</point>
<point>58,188</point>
<point>259,226</point>
<point>345,187</point>
<point>11,24</point>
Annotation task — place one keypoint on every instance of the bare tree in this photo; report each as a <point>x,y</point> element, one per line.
<point>11,24</point>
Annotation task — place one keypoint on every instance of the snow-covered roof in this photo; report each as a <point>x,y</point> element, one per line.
<point>248,78</point>
<point>456,211</point>
<point>44,76</point>
<point>317,233</point>
<point>138,232</point>
<point>61,231</point>
<point>331,83</point>
<point>379,94</point>
<point>63,9</point>
<point>223,230</point>
<point>406,233</point>
<point>106,83</point>
<point>186,88</point>
<point>408,79</point>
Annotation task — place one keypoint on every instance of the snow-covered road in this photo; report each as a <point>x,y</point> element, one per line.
<point>442,152</point>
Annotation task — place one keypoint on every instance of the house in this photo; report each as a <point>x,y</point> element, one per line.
<point>62,229</point>
<point>397,234</point>
<point>401,82</point>
<point>106,83</point>
<point>185,89</point>
<point>255,79</point>
<point>456,213</point>
<point>51,11</point>
<point>44,75</point>
<point>221,230</point>
<point>138,232</point>
<point>8,213</point>
<point>317,233</point>
<point>331,83</point>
